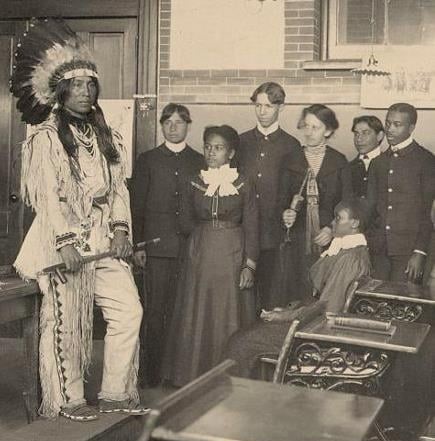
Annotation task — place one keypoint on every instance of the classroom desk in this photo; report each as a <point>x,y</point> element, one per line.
<point>363,362</point>
<point>218,407</point>
<point>332,358</point>
<point>392,301</point>
<point>20,301</point>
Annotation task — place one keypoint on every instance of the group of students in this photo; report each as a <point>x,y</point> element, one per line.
<point>248,229</point>
<point>242,227</point>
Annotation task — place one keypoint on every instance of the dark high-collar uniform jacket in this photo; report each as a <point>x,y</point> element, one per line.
<point>359,176</point>
<point>159,178</point>
<point>259,158</point>
<point>333,181</point>
<point>400,193</point>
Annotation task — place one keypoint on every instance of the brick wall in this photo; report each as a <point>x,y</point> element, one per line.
<point>302,43</point>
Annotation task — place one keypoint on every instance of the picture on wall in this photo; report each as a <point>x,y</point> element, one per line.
<point>411,79</point>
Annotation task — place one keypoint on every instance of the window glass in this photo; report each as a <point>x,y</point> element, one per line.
<point>410,22</point>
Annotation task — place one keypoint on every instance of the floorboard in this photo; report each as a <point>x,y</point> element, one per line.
<point>13,423</point>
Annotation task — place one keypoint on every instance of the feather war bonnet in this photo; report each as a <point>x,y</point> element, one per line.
<point>48,52</point>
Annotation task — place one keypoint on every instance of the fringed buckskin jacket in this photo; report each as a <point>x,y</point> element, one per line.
<point>62,203</point>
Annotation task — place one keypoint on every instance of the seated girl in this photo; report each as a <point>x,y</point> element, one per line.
<point>332,276</point>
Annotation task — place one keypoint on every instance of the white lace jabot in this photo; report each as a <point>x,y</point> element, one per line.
<point>221,178</point>
<point>344,243</point>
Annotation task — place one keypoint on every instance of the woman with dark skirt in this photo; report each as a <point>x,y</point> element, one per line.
<point>214,296</point>
<point>313,179</point>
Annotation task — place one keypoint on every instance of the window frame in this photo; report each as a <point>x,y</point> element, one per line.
<point>331,50</point>
<point>335,51</point>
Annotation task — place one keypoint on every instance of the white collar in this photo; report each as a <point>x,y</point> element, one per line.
<point>402,144</point>
<point>175,147</point>
<point>266,131</point>
<point>221,178</point>
<point>345,243</point>
<point>370,155</point>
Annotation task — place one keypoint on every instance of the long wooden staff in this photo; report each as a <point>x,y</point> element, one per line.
<point>60,268</point>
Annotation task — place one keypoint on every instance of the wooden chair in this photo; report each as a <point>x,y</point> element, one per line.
<point>351,295</point>
<point>280,363</point>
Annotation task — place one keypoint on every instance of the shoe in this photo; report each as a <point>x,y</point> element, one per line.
<point>125,406</point>
<point>81,412</point>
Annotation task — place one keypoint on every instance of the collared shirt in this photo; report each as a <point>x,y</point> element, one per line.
<point>402,144</point>
<point>367,158</point>
<point>266,131</point>
<point>176,148</point>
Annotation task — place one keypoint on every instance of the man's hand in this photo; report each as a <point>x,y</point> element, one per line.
<point>289,217</point>
<point>246,279</point>
<point>140,258</point>
<point>415,267</point>
<point>71,257</point>
<point>121,245</point>
<point>324,237</point>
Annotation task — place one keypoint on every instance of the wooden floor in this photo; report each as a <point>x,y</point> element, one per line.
<point>13,424</point>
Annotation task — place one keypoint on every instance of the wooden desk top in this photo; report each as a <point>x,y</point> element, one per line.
<point>250,410</point>
<point>13,287</point>
<point>395,291</point>
<point>407,337</point>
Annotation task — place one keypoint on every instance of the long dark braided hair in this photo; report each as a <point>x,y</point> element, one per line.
<point>95,117</point>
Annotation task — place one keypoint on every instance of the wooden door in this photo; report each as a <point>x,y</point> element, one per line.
<point>113,41</point>
<point>11,135</point>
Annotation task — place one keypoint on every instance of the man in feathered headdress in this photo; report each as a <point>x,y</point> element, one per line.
<point>73,176</point>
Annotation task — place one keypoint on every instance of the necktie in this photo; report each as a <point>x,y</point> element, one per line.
<point>365,157</point>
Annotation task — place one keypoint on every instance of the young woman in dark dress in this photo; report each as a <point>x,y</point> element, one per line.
<point>214,298</point>
<point>315,175</point>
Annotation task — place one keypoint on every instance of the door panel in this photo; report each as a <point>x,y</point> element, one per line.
<point>113,42</point>
<point>108,48</point>
<point>11,135</point>
<point>5,129</point>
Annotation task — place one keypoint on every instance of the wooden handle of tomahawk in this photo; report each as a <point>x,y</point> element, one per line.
<point>60,268</point>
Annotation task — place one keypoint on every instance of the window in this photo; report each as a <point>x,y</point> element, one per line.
<point>351,30</point>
